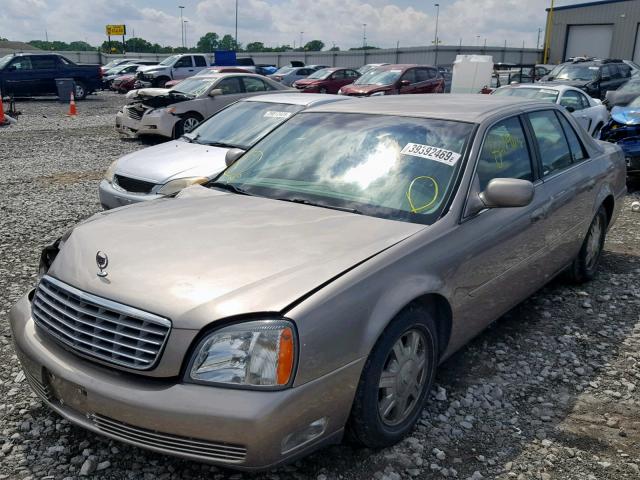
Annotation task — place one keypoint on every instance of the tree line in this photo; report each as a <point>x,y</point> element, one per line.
<point>209,42</point>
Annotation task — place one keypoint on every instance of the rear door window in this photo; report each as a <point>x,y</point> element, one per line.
<point>253,84</point>
<point>505,153</point>
<point>552,144</point>
<point>578,152</point>
<point>43,62</point>
<point>200,61</point>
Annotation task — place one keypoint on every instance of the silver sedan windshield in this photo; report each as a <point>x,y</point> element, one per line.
<point>381,165</point>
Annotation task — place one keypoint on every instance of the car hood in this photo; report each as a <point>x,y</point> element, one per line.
<point>175,159</point>
<point>364,89</point>
<point>208,254</point>
<point>146,68</point>
<point>615,98</point>
<point>143,93</point>
<point>626,115</point>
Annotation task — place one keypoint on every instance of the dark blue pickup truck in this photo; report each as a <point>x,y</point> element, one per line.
<point>34,74</point>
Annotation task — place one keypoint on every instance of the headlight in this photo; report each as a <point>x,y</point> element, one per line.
<point>108,175</point>
<point>340,92</point>
<point>377,94</point>
<point>170,109</point>
<point>255,354</point>
<point>174,186</point>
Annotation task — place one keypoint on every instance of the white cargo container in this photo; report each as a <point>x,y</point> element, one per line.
<point>471,73</point>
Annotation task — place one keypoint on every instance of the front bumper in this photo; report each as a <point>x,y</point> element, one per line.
<point>242,429</point>
<point>111,197</point>
<point>151,123</point>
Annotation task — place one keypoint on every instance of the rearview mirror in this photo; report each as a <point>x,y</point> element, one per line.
<point>507,193</point>
<point>233,155</point>
<point>215,91</point>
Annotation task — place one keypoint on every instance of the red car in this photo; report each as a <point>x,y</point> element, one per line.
<point>123,83</point>
<point>327,80</point>
<point>396,80</point>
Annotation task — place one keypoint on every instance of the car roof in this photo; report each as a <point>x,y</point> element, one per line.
<point>227,74</point>
<point>559,87</point>
<point>472,108</point>
<point>296,98</point>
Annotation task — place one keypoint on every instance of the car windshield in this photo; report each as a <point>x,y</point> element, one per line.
<point>632,86</point>
<point>576,72</point>
<point>285,70</point>
<point>378,77</point>
<point>320,74</point>
<point>169,60</point>
<point>386,166</point>
<point>545,94</point>
<point>194,86</point>
<point>4,60</point>
<point>242,124</point>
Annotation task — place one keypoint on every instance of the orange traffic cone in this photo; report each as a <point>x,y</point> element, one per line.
<point>2,119</point>
<point>72,107</point>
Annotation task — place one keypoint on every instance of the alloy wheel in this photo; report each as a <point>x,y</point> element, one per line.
<point>190,123</point>
<point>402,378</point>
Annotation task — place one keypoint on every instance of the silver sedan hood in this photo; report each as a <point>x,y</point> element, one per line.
<point>175,159</point>
<point>202,257</point>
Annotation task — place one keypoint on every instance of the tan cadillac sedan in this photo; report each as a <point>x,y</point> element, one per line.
<point>315,285</point>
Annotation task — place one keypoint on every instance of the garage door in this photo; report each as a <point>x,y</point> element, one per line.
<point>589,40</point>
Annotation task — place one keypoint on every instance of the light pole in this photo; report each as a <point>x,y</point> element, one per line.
<point>301,46</point>
<point>181,26</point>
<point>477,40</point>
<point>435,40</point>
<point>185,34</point>
<point>364,35</point>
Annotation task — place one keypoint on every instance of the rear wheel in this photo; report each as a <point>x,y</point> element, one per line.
<point>80,91</point>
<point>395,380</point>
<point>585,265</point>
<point>159,82</point>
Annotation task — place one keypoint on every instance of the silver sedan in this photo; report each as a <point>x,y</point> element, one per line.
<point>316,285</point>
<point>173,112</point>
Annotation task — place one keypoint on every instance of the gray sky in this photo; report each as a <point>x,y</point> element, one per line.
<point>281,21</point>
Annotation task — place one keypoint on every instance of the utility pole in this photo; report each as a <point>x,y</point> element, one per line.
<point>186,45</point>
<point>364,35</point>
<point>181,26</point>
<point>547,34</point>
<point>236,45</point>
<point>301,46</point>
<point>435,40</point>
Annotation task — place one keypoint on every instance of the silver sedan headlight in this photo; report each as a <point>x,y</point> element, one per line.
<point>252,354</point>
<point>378,94</point>
<point>108,175</point>
<point>174,186</point>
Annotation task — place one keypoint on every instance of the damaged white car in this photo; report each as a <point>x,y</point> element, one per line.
<point>173,112</point>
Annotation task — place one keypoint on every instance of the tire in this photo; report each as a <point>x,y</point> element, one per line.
<point>585,265</point>
<point>187,123</point>
<point>159,82</point>
<point>374,422</point>
<point>80,92</point>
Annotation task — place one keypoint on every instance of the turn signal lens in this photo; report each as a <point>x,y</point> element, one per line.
<point>285,356</point>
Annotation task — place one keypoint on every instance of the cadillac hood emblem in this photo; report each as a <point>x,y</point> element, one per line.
<point>102,261</point>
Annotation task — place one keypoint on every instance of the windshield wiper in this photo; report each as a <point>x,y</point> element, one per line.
<point>321,205</point>
<point>191,139</point>
<point>229,187</point>
<point>221,145</point>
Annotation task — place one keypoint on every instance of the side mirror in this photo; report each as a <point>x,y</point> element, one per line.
<point>570,109</point>
<point>215,91</point>
<point>405,83</point>
<point>233,155</point>
<point>507,193</point>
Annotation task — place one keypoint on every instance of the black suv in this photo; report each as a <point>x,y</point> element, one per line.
<point>595,77</point>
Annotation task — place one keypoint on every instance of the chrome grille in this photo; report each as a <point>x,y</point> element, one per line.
<point>97,327</point>
<point>220,452</point>
<point>37,386</point>
<point>134,112</point>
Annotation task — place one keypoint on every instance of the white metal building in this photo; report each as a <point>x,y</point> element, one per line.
<point>604,29</point>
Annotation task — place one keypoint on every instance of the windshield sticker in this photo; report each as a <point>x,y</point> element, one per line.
<point>274,114</point>
<point>431,153</point>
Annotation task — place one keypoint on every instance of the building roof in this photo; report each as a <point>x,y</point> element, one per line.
<point>587,4</point>
<point>472,108</point>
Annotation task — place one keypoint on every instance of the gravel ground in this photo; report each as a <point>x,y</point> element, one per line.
<point>550,391</point>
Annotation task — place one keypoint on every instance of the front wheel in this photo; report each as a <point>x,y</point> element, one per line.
<point>187,124</point>
<point>585,265</point>
<point>395,380</point>
<point>323,90</point>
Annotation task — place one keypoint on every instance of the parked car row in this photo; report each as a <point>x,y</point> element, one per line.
<point>308,286</point>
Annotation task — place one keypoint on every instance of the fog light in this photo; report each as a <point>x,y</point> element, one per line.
<point>301,437</point>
